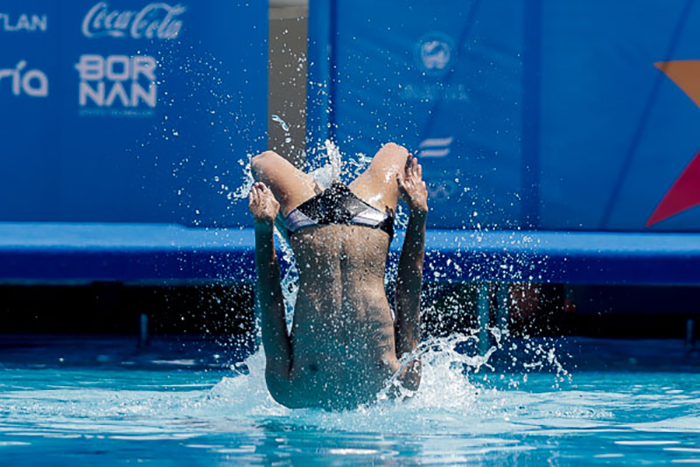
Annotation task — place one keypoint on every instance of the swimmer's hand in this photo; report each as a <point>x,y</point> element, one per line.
<point>263,205</point>
<point>412,187</point>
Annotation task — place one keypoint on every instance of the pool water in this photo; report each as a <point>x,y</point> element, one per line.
<point>103,401</point>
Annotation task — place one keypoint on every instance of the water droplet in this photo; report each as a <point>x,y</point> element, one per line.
<point>283,124</point>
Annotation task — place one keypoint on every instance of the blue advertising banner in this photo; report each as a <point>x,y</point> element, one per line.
<point>539,114</point>
<point>130,110</point>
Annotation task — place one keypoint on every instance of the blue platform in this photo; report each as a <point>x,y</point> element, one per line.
<point>128,253</point>
<point>172,254</point>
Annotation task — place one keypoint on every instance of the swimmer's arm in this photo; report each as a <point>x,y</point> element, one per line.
<point>408,291</point>
<point>278,349</point>
<point>410,274</point>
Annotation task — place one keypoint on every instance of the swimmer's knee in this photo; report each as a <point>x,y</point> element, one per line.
<point>259,163</point>
<point>396,148</point>
<point>394,154</point>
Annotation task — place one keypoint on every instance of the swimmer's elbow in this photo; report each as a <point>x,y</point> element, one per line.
<point>412,383</point>
<point>411,377</point>
<point>280,397</point>
<point>280,388</point>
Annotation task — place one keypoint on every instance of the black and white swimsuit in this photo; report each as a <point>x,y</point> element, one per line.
<point>338,205</point>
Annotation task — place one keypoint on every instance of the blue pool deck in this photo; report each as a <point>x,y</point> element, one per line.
<point>65,253</point>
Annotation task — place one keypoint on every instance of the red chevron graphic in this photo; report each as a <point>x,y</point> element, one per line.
<point>685,191</point>
<point>683,195</point>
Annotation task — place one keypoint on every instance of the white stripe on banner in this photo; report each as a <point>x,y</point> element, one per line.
<point>435,147</point>
<point>436,142</point>
<point>433,153</point>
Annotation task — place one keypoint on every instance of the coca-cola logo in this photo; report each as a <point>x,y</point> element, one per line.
<point>154,21</point>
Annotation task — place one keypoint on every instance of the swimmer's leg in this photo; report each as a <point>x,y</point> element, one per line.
<point>377,185</point>
<point>290,185</point>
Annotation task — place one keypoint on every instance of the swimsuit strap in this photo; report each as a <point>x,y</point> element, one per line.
<point>337,204</point>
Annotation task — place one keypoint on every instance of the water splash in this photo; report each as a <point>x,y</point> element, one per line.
<point>331,168</point>
<point>247,181</point>
<point>454,383</point>
<point>290,280</point>
<point>282,123</point>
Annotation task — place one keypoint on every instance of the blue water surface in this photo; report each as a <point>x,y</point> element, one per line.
<point>102,401</point>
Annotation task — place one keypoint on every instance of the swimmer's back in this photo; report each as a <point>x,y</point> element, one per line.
<point>343,337</point>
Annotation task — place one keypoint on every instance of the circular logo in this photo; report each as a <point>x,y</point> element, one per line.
<point>441,191</point>
<point>435,53</point>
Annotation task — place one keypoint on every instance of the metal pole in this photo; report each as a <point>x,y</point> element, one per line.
<point>502,308</point>
<point>483,308</point>
<point>143,330</point>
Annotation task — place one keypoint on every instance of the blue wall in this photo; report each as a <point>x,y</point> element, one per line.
<point>525,114</point>
<point>164,146</point>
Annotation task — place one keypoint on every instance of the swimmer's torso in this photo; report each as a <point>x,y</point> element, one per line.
<point>342,336</point>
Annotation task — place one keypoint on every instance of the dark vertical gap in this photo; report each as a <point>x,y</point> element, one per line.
<point>320,50</point>
<point>333,70</point>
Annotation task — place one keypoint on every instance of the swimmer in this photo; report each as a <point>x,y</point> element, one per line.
<point>344,345</point>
